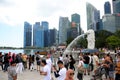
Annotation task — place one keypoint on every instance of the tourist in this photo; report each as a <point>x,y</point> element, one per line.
<point>91,62</point>
<point>66,61</point>
<point>69,75</point>
<point>95,62</point>
<point>38,62</point>
<point>80,69</point>
<point>61,57</point>
<point>117,69</point>
<point>12,74</point>
<point>86,63</point>
<point>106,64</point>
<point>46,70</point>
<point>72,62</point>
<point>1,60</point>
<point>30,62</point>
<point>111,70</point>
<point>80,55</point>
<point>6,62</point>
<point>49,61</point>
<point>33,59</point>
<point>61,74</point>
<point>19,63</point>
<point>24,58</point>
<point>13,57</point>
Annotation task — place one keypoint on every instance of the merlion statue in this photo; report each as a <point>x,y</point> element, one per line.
<point>91,39</point>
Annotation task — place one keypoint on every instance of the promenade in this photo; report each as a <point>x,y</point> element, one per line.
<point>33,75</point>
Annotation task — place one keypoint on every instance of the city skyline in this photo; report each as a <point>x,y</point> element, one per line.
<point>14,13</point>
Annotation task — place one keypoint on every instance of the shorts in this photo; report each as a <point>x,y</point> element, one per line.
<point>95,67</point>
<point>86,66</point>
<point>111,74</point>
<point>38,63</point>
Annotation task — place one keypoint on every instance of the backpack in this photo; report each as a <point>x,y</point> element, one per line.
<point>37,58</point>
<point>73,61</point>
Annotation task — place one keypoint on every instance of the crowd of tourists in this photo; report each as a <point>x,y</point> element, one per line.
<point>65,66</point>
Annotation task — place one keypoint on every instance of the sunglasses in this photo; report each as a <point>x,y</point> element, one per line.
<point>71,73</point>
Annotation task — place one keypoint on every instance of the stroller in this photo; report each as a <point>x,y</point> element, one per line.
<point>99,73</point>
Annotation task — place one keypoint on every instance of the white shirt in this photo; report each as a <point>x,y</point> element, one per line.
<point>80,63</point>
<point>90,59</point>
<point>47,69</point>
<point>95,58</point>
<point>49,62</point>
<point>62,74</point>
<point>61,58</point>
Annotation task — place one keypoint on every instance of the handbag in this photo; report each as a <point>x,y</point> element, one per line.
<point>81,69</point>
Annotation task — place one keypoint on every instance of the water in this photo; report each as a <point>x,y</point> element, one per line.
<point>16,51</point>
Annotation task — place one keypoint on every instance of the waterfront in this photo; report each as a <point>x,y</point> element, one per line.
<point>16,51</point>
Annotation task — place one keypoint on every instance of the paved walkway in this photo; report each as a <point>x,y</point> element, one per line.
<point>33,75</point>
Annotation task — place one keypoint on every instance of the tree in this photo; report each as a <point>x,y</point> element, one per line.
<point>113,41</point>
<point>117,33</point>
<point>100,37</point>
<point>69,40</point>
<point>82,42</point>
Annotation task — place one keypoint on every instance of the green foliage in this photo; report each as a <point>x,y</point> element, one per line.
<point>69,40</point>
<point>100,37</point>
<point>113,41</point>
<point>117,33</point>
<point>103,38</point>
<point>82,42</point>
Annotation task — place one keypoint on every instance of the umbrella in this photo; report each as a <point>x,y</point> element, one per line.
<point>89,50</point>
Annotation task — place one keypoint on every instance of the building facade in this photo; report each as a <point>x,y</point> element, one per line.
<point>93,17</point>
<point>38,35</point>
<point>53,37</point>
<point>64,25</point>
<point>75,21</point>
<point>111,22</point>
<point>107,8</point>
<point>45,26</point>
<point>27,34</point>
<point>116,6</point>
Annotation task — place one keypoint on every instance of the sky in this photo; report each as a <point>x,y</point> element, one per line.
<point>13,13</point>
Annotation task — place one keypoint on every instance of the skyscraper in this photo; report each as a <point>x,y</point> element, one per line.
<point>75,19</point>
<point>38,35</point>
<point>93,17</point>
<point>53,36</point>
<point>111,22</point>
<point>107,8</point>
<point>45,26</point>
<point>116,6</point>
<point>27,34</point>
<point>64,25</point>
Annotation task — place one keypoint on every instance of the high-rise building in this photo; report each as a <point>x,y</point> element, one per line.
<point>72,33</point>
<point>64,25</point>
<point>75,18</point>
<point>93,17</point>
<point>111,22</point>
<point>27,34</point>
<point>116,6</point>
<point>38,35</point>
<point>45,26</point>
<point>107,8</point>
<point>75,21</point>
<point>53,37</point>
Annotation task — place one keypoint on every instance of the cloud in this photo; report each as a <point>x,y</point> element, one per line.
<point>6,3</point>
<point>38,10</point>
